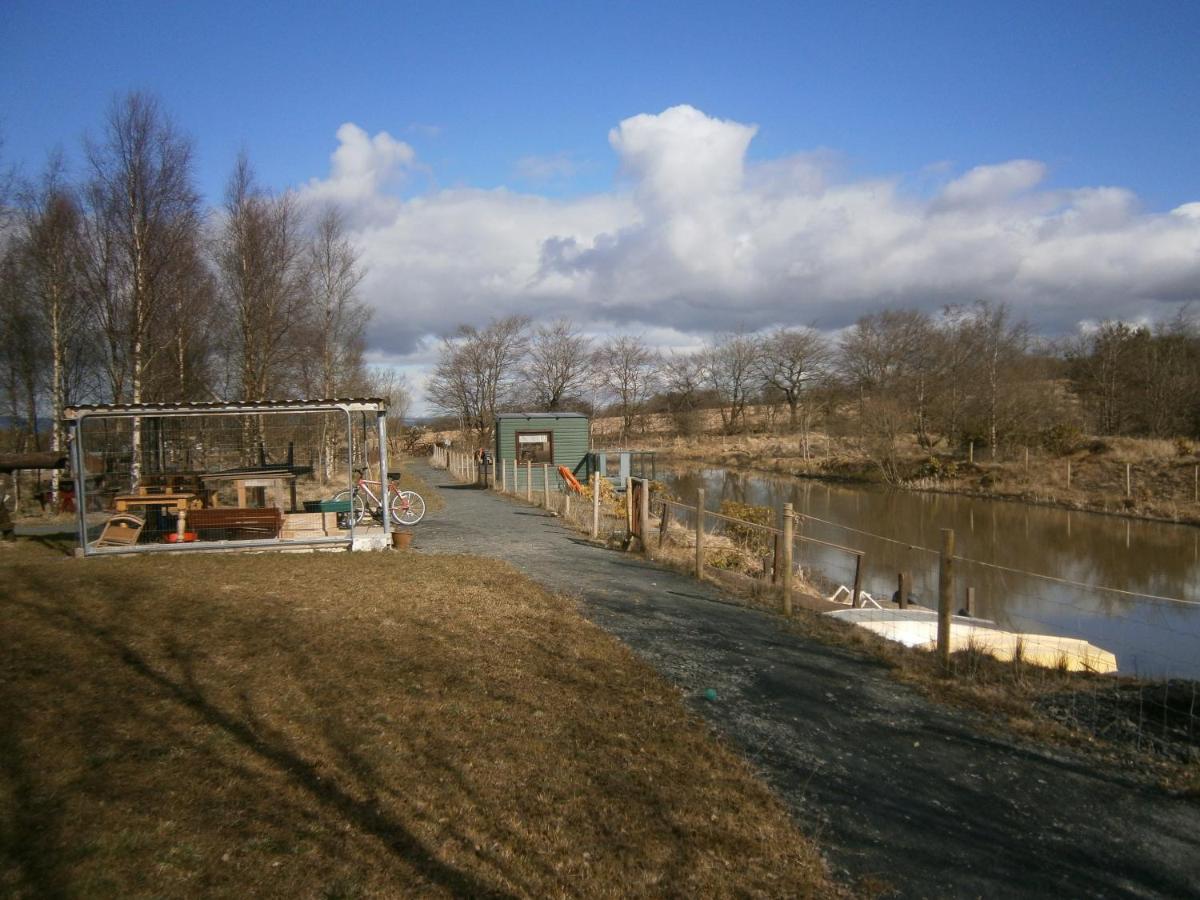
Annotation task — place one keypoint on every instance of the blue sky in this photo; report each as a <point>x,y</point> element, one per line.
<point>1104,93</point>
<point>674,169</point>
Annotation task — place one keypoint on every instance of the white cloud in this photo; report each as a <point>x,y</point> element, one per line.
<point>362,170</point>
<point>986,186</point>
<point>696,239</point>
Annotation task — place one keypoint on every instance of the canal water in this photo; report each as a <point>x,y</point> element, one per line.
<point>1153,627</point>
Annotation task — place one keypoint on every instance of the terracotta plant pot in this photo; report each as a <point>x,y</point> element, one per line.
<point>402,540</point>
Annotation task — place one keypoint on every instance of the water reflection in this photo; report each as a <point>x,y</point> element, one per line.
<point>1149,637</point>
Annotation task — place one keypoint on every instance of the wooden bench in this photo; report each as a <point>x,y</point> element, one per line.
<point>235,523</point>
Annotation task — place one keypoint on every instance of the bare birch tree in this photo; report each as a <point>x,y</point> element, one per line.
<point>558,366</point>
<point>261,278</point>
<point>730,365</point>
<point>144,213</point>
<point>683,384</point>
<point>50,262</point>
<point>793,361</point>
<point>476,374</point>
<point>628,369</point>
<point>337,324</point>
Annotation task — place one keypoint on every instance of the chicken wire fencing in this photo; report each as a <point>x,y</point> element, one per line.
<point>233,476</point>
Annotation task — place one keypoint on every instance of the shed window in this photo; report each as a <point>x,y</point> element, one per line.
<point>535,446</point>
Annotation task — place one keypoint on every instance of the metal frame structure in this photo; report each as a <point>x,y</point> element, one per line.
<point>75,416</point>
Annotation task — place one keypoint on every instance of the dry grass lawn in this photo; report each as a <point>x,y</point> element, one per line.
<point>353,726</point>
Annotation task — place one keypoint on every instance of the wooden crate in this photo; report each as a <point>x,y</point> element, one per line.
<point>297,526</point>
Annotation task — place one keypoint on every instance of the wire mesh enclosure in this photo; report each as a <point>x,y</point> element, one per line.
<point>229,476</point>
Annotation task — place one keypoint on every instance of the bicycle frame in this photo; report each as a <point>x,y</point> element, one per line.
<point>363,485</point>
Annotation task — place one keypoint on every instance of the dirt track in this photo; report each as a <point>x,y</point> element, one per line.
<point>895,788</point>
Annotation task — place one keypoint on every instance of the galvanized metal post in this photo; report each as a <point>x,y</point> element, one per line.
<point>529,480</point>
<point>789,519</point>
<point>384,494</point>
<point>79,474</point>
<point>504,476</point>
<point>546,485</point>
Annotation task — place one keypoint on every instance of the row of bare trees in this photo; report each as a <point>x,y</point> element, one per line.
<point>971,375</point>
<point>119,287</point>
<point>1139,379</point>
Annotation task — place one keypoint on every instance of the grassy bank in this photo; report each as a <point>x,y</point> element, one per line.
<point>347,726</point>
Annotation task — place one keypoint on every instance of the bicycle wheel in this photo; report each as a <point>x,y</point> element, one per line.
<point>408,508</point>
<point>357,508</point>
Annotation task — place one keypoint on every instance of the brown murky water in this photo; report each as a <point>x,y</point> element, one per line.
<point>1153,637</point>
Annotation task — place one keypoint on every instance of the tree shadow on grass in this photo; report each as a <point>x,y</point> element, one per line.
<point>263,743</point>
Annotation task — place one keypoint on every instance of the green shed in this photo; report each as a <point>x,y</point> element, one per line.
<point>559,438</point>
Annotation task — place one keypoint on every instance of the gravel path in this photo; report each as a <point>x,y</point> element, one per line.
<point>894,788</point>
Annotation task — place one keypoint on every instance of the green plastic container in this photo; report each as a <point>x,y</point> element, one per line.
<point>330,506</point>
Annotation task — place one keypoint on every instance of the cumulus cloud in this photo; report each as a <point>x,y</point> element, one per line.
<point>362,170</point>
<point>695,238</point>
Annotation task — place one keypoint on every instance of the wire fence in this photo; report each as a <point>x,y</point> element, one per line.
<point>195,476</point>
<point>1046,634</point>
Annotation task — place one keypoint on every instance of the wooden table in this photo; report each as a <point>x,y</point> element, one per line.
<point>178,502</point>
<point>274,481</point>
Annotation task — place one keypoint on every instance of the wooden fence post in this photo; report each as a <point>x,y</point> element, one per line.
<point>1128,480</point>
<point>503,476</point>
<point>700,533</point>
<point>970,608</point>
<point>529,480</point>
<point>945,595</point>
<point>595,505</point>
<point>905,589</point>
<point>546,485</point>
<point>788,523</point>
<point>663,522</point>
<point>628,509</point>
<point>854,601</point>
<point>971,452</point>
<point>1068,474</point>
<point>645,517</point>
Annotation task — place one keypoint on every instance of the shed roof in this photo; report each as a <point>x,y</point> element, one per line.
<point>541,415</point>
<point>354,404</point>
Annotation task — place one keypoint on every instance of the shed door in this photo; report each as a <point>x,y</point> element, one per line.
<point>535,446</point>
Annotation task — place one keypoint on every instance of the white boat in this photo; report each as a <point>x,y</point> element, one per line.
<point>918,628</point>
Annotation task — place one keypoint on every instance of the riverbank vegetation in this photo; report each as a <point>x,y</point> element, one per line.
<point>968,399</point>
<point>370,725</point>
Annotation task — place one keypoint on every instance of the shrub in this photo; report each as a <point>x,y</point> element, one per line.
<point>935,467</point>
<point>1061,440</point>
<point>745,535</point>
